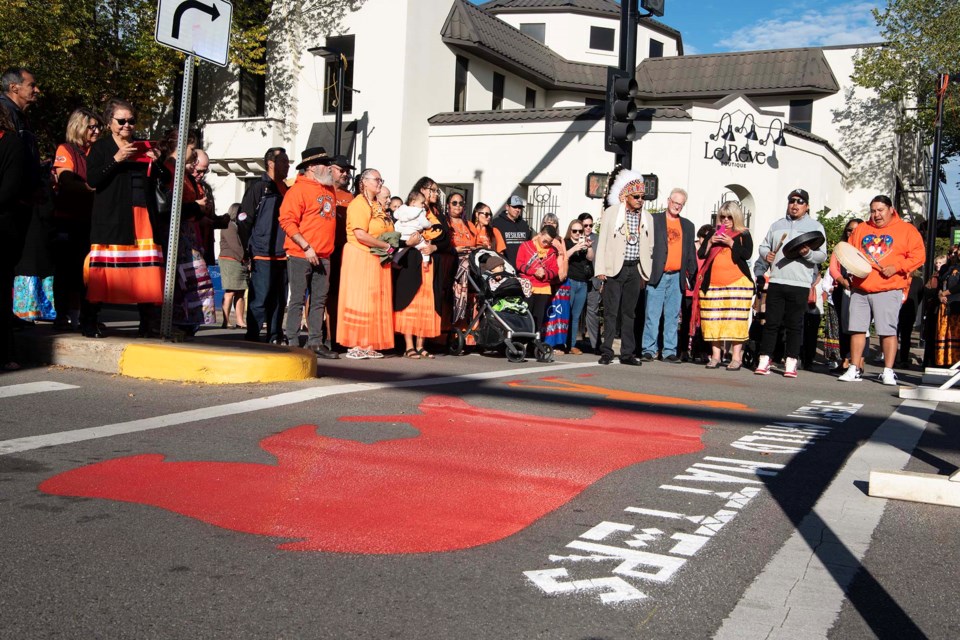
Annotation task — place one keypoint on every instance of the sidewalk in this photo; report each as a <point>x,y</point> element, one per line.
<point>215,356</point>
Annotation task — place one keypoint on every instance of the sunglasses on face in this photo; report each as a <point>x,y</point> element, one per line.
<point>93,127</point>
<point>573,231</point>
<point>726,217</point>
<point>797,201</point>
<point>456,203</point>
<point>484,213</point>
<point>588,226</point>
<point>125,121</point>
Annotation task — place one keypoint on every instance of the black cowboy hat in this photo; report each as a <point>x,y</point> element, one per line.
<point>313,155</point>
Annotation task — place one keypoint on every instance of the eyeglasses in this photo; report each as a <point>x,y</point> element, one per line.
<point>456,203</point>
<point>797,201</point>
<point>485,213</point>
<point>377,180</point>
<point>726,217</point>
<point>578,231</point>
<point>93,127</point>
<point>125,121</point>
<point>200,171</point>
<point>587,226</point>
<point>848,231</point>
<point>433,189</point>
<point>679,204</point>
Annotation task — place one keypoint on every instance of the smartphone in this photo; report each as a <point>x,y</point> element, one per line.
<point>140,150</point>
<point>721,230</point>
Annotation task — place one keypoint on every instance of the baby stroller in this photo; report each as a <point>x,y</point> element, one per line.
<point>502,318</point>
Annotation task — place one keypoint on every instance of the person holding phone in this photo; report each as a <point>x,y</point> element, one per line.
<point>724,292</point>
<point>125,260</point>
<point>579,246</point>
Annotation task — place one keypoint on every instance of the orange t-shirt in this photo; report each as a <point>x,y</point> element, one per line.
<point>724,271</point>
<point>64,159</point>
<point>462,234</point>
<point>674,244</point>
<point>310,209</point>
<point>361,215</point>
<point>497,243</point>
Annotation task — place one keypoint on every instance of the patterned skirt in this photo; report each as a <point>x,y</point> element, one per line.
<point>557,325</point>
<point>127,274</point>
<point>193,296</point>
<point>947,344</point>
<point>831,334</point>
<point>725,311</point>
<point>33,298</point>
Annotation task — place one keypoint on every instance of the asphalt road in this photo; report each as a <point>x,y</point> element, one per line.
<point>453,498</point>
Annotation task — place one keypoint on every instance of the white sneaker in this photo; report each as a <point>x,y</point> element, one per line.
<point>853,374</point>
<point>763,366</point>
<point>790,368</point>
<point>888,377</point>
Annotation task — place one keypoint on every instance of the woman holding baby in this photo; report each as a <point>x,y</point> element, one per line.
<point>418,280</point>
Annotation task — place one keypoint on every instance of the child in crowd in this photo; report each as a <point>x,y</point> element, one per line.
<point>412,218</point>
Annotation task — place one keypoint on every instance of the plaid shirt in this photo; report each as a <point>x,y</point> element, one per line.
<point>632,252</point>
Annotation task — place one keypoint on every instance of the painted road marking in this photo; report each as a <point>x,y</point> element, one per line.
<point>801,590</point>
<point>18,445</point>
<point>29,388</point>
<point>784,438</point>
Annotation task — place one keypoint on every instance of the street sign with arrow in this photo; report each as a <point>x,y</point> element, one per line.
<point>197,27</point>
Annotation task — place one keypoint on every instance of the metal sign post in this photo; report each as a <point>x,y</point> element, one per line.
<point>166,316</point>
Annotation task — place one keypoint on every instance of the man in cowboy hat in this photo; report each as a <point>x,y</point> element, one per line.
<point>308,216</point>
<point>623,262</point>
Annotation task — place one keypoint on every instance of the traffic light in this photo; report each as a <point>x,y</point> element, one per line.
<point>654,7</point>
<point>621,111</point>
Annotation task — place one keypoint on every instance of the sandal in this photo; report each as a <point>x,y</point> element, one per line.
<point>712,364</point>
<point>734,365</point>
<point>373,354</point>
<point>413,354</point>
<point>426,354</point>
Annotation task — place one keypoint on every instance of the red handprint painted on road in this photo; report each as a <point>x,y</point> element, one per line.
<point>471,477</point>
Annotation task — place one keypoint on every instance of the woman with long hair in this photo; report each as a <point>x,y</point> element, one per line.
<point>537,263</point>
<point>365,305</point>
<point>420,290</point>
<point>722,300</point>
<point>579,249</point>
<point>234,271</point>
<point>488,237</point>
<point>125,265</point>
<point>71,215</point>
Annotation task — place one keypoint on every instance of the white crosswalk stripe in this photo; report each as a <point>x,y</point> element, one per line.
<point>29,388</point>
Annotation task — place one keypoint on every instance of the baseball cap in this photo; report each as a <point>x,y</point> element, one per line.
<point>800,193</point>
<point>516,201</point>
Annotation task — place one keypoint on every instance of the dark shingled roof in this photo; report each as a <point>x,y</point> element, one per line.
<point>546,115</point>
<point>752,73</point>
<point>588,7</point>
<point>486,36</point>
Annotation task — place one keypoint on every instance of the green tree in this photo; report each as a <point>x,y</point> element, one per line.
<point>84,52</point>
<point>922,41</point>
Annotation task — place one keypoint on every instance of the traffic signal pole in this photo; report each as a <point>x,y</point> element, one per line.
<point>629,16</point>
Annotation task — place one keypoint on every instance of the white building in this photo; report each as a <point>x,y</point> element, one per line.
<point>507,97</point>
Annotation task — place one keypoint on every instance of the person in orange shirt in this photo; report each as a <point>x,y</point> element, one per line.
<point>895,249</point>
<point>674,269</point>
<point>308,215</point>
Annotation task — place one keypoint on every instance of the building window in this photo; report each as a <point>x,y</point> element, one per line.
<point>253,92</point>
<point>656,48</point>
<point>345,45</point>
<point>602,38</point>
<point>531,101</point>
<point>498,82</point>
<point>801,114</point>
<point>536,30</point>
<point>460,84</point>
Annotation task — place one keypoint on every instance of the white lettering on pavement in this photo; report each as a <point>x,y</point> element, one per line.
<point>615,547</point>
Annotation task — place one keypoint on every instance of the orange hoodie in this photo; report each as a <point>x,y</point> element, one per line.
<point>310,209</point>
<point>899,244</point>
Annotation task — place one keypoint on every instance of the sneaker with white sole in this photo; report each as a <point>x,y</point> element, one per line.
<point>763,366</point>
<point>790,368</point>
<point>888,377</point>
<point>853,374</point>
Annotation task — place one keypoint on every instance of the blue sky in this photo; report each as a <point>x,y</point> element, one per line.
<point>713,26</point>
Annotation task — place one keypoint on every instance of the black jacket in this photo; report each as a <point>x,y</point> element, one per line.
<point>116,195</point>
<point>688,259</point>
<point>514,232</point>
<point>32,174</point>
<point>14,216</point>
<point>258,221</point>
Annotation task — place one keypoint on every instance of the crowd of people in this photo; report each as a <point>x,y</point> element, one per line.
<point>332,253</point>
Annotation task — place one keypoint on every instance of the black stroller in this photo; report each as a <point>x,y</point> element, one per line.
<point>502,317</point>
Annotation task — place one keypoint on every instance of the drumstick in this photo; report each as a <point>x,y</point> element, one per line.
<point>780,244</point>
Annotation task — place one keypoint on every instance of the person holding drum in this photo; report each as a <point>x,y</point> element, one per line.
<point>791,253</point>
<point>895,249</point>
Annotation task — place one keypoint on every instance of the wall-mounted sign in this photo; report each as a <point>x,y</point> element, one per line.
<point>730,154</point>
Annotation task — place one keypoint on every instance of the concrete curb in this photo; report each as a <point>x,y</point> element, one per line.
<point>208,361</point>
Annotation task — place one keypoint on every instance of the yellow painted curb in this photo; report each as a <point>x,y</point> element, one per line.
<point>215,364</point>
